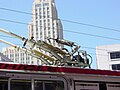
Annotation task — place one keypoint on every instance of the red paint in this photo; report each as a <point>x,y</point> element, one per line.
<point>58,69</point>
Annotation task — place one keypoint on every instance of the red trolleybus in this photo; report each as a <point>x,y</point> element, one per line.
<point>32,77</point>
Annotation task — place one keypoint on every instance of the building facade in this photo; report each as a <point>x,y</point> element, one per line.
<point>3,58</point>
<point>45,24</point>
<point>17,56</point>
<point>108,57</point>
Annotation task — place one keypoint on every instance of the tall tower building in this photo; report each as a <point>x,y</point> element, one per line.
<point>45,22</point>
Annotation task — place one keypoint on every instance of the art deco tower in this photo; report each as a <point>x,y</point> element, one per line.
<point>45,22</point>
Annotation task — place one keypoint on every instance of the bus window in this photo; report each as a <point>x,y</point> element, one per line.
<point>113,86</point>
<point>102,86</point>
<point>38,85</point>
<point>48,85</point>
<point>54,85</point>
<point>86,86</point>
<point>17,84</point>
<point>3,84</point>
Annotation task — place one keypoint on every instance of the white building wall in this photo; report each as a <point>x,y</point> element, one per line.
<point>17,56</point>
<point>103,56</point>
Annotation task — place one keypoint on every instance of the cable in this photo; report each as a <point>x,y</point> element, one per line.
<point>98,54</point>
<point>6,20</point>
<point>72,32</point>
<point>81,46</point>
<point>6,36</point>
<point>90,25</point>
<point>75,22</point>
<point>117,39</point>
<point>65,21</point>
<point>15,11</point>
<point>93,35</point>
<point>95,48</point>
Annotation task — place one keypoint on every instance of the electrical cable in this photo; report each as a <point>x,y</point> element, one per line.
<point>70,21</point>
<point>41,26</point>
<point>110,38</point>
<point>81,47</point>
<point>64,30</point>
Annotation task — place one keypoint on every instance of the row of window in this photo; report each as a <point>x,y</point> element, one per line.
<point>40,5</point>
<point>22,58</point>
<point>17,84</point>
<point>45,12</point>
<point>114,55</point>
<point>116,67</point>
<point>44,23</point>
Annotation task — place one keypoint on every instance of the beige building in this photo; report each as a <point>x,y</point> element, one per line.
<point>45,22</point>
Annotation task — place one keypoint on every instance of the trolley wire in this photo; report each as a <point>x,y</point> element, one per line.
<point>93,35</point>
<point>81,46</point>
<point>70,21</point>
<point>75,22</point>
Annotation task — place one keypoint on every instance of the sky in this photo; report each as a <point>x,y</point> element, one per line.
<point>89,23</point>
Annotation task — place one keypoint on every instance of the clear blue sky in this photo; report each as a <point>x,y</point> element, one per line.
<point>104,13</point>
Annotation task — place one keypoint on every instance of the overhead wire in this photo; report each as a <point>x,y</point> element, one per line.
<point>81,47</point>
<point>66,21</point>
<point>64,30</point>
<point>90,25</point>
<point>72,32</point>
<point>70,21</point>
<point>93,35</point>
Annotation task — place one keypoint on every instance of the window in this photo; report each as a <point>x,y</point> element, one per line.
<point>20,84</point>
<point>48,24</point>
<point>38,85</point>
<point>40,17</point>
<point>48,16</point>
<point>48,32</point>
<point>47,8</point>
<point>48,20</point>
<point>3,84</point>
<point>44,12</point>
<point>46,4</point>
<point>36,13</point>
<point>44,25</point>
<point>38,5</point>
<point>116,67</point>
<point>36,22</point>
<point>48,85</point>
<point>88,86</point>
<point>48,28</point>
<point>114,55</point>
<point>36,17</point>
<point>29,84</point>
<point>40,32</point>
